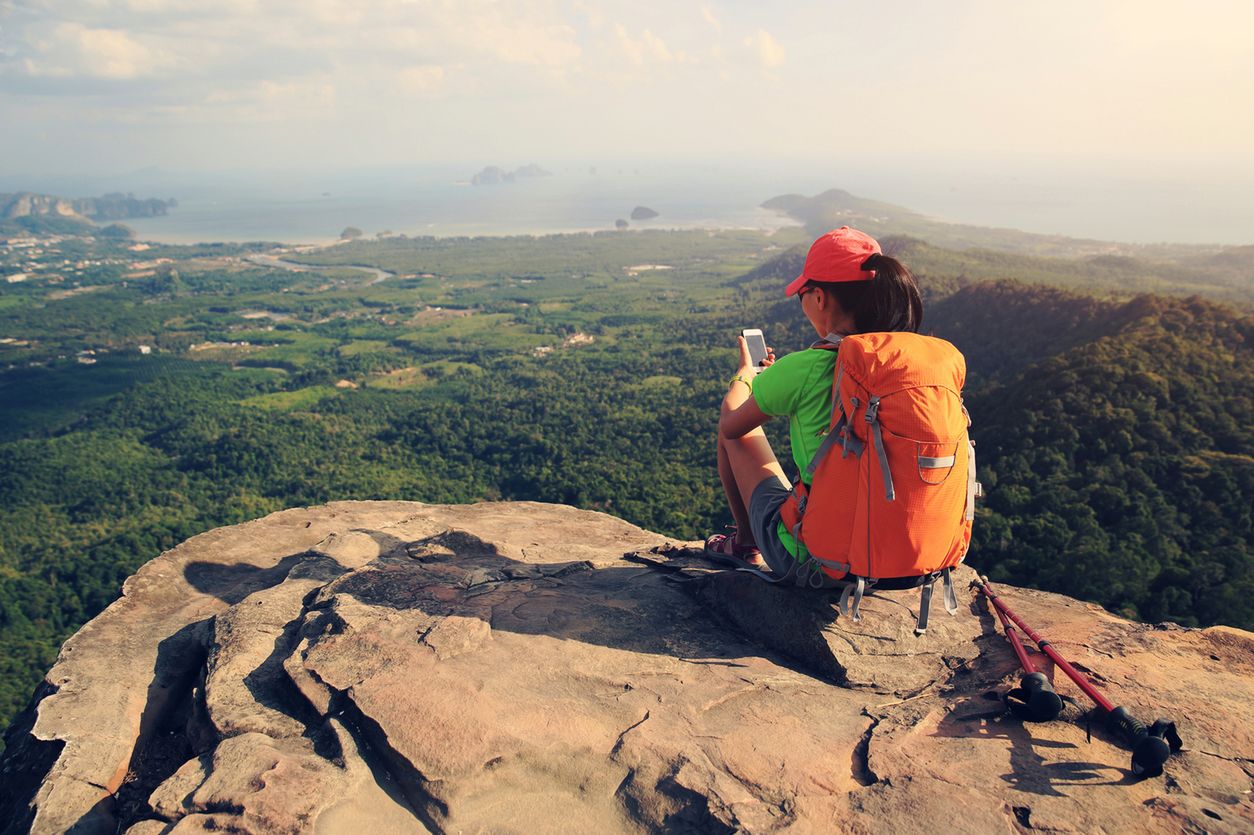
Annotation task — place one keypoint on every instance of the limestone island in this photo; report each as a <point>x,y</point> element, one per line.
<point>494,175</point>
<point>112,206</point>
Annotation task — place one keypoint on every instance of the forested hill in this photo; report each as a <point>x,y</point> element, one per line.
<point>965,252</point>
<point>837,207</point>
<point>1225,275</point>
<point>1121,468</point>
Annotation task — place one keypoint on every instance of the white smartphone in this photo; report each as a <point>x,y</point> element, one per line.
<point>757,346</point>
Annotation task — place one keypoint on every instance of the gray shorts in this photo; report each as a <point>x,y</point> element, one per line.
<point>764,506</point>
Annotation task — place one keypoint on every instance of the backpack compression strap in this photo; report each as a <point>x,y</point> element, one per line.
<point>925,598</point>
<point>855,590</point>
<point>973,487</point>
<point>873,418</point>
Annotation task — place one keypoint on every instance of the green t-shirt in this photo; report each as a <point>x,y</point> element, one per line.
<point>799,385</point>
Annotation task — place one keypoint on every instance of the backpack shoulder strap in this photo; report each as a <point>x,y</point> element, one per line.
<point>831,342</point>
<point>838,430</point>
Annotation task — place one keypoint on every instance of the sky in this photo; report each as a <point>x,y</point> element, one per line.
<point>205,85</point>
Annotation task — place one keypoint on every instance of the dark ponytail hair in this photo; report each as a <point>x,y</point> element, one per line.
<point>888,302</point>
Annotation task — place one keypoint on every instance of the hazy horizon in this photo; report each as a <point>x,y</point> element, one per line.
<point>1099,200</point>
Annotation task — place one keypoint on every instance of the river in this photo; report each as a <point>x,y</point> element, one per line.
<point>276,261</point>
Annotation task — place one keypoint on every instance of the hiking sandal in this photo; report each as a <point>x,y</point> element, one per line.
<point>723,548</point>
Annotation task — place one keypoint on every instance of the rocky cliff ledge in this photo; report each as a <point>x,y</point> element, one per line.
<point>399,667</point>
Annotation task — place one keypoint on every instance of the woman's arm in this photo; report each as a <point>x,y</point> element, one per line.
<point>740,414</point>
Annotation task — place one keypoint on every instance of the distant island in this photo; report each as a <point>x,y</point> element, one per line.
<point>112,206</point>
<point>643,213</point>
<point>494,175</point>
<point>27,213</point>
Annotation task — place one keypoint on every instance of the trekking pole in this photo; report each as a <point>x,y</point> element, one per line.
<point>1034,699</point>
<point>1150,746</point>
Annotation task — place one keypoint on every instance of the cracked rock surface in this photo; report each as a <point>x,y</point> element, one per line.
<point>520,667</point>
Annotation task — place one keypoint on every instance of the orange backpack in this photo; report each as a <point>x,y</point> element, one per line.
<point>893,493</point>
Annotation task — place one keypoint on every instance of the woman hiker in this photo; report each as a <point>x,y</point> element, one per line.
<point>848,286</point>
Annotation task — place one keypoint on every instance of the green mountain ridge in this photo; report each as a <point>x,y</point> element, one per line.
<point>1227,275</point>
<point>1120,469</point>
<point>837,207</point>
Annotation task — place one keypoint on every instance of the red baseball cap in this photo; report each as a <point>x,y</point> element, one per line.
<point>837,256</point>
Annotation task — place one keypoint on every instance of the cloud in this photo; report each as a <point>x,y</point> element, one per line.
<point>72,49</point>
<point>154,53</point>
<point>769,53</point>
<point>648,48</point>
<point>575,75</point>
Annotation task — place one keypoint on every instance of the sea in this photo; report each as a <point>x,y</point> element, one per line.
<point>1085,200</point>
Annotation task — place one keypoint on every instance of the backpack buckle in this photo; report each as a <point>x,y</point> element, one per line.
<point>872,410</point>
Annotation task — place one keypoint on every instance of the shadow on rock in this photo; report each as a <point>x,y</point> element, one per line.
<point>270,687</point>
<point>1037,765</point>
<point>169,724</point>
<point>674,604</point>
<point>232,583</point>
<point>27,760</point>
<point>881,652</point>
<point>456,574</point>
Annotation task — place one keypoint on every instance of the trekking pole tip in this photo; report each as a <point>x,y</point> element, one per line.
<point>1150,746</point>
<point>1161,741</point>
<point>1149,755</point>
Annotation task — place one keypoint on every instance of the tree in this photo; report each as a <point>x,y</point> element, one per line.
<point>116,232</point>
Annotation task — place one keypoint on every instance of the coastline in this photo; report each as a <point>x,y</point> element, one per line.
<point>313,243</point>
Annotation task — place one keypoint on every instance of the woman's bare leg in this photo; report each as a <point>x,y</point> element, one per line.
<point>743,463</point>
<point>739,512</point>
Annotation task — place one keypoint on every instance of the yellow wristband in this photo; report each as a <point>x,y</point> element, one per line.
<point>740,378</point>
